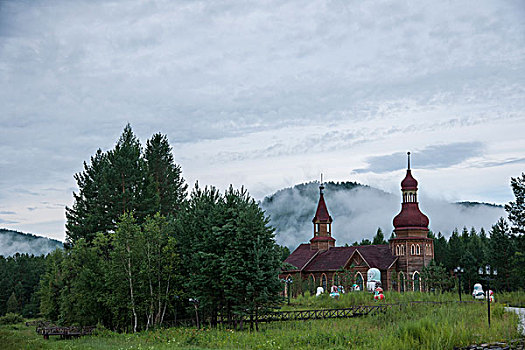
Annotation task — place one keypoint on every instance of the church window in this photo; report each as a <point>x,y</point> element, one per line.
<point>397,250</point>
<point>418,250</point>
<point>401,282</point>
<point>417,280</point>
<point>412,250</point>
<point>359,280</point>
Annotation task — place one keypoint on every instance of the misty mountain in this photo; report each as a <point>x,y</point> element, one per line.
<point>358,210</point>
<point>12,242</point>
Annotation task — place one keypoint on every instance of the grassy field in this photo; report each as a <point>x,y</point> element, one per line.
<point>421,326</point>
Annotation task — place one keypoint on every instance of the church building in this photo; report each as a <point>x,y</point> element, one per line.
<point>322,263</point>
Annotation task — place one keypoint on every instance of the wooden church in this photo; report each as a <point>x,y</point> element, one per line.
<point>322,263</point>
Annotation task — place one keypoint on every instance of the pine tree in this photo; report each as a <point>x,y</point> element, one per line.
<point>455,250</point>
<point>126,180</point>
<point>89,213</point>
<point>516,209</point>
<point>201,249</point>
<point>379,238</point>
<point>501,248</point>
<point>166,177</point>
<point>112,184</point>
<point>12,304</point>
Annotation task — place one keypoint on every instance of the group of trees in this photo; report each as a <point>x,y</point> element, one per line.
<point>503,249</point>
<point>19,277</point>
<point>139,249</point>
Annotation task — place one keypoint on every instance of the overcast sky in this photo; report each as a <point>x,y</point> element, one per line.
<point>264,94</point>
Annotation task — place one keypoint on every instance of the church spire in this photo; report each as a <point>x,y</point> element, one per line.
<point>322,224</point>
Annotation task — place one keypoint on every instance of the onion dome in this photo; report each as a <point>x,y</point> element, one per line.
<point>409,183</point>
<point>410,216</point>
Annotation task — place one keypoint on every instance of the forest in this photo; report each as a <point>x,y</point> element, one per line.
<point>142,252</point>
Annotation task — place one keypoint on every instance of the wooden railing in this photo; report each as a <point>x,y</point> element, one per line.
<point>65,332</point>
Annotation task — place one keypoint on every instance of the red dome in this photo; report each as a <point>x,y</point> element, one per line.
<point>410,217</point>
<point>409,183</point>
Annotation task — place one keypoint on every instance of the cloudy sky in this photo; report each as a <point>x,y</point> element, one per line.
<point>264,94</point>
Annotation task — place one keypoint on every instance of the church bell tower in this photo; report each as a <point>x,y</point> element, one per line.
<point>322,221</point>
<point>411,244</point>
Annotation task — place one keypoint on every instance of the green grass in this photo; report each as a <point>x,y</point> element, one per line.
<point>324,301</point>
<point>511,299</point>
<point>421,326</point>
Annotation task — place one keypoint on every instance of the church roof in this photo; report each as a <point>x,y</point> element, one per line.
<point>307,260</point>
<point>409,183</point>
<point>321,214</point>
<point>331,259</point>
<point>379,256</point>
<point>300,256</point>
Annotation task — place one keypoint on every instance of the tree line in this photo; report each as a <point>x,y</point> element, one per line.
<point>503,249</point>
<point>141,252</point>
<point>19,278</point>
<point>139,248</point>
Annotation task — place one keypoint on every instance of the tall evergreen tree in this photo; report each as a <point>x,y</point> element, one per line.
<point>501,248</point>
<point>455,250</point>
<point>379,238</point>
<point>126,180</point>
<point>516,209</point>
<point>89,213</point>
<point>113,183</point>
<point>166,177</point>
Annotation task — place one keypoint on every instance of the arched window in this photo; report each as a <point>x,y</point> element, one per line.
<point>418,250</point>
<point>359,280</point>
<point>412,249</point>
<point>402,250</point>
<point>401,282</point>
<point>417,282</point>
<point>397,250</point>
<point>323,281</point>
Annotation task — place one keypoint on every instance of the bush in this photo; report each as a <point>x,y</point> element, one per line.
<point>11,318</point>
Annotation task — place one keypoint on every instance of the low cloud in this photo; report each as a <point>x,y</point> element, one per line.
<point>358,212</point>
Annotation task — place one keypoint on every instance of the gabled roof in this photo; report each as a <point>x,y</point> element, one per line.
<point>379,256</point>
<point>301,256</point>
<point>331,259</point>
<point>307,260</point>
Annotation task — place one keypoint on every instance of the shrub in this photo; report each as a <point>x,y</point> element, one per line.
<point>11,318</point>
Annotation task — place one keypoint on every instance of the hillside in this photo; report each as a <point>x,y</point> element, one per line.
<point>358,210</point>
<point>12,242</point>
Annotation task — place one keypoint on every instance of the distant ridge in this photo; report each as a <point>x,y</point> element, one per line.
<point>12,242</point>
<point>358,210</point>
